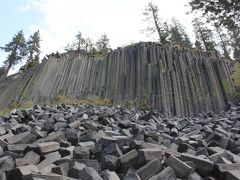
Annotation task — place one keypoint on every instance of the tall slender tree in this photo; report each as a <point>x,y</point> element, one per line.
<point>155,23</point>
<point>79,41</point>
<point>178,35</point>
<point>198,44</point>
<point>88,45</point>
<point>102,45</point>
<point>33,47</point>
<point>33,51</point>
<point>69,47</point>
<point>235,36</point>
<point>16,49</point>
<point>224,41</point>
<point>225,12</point>
<point>204,35</point>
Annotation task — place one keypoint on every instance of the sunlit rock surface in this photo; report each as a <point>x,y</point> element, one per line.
<point>176,81</point>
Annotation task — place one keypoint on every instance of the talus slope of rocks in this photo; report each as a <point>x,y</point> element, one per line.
<point>67,142</point>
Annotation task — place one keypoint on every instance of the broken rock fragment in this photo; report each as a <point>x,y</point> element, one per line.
<point>67,142</point>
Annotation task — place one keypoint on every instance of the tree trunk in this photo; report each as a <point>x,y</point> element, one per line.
<point>226,54</point>
<point>8,68</point>
<point>157,26</point>
<point>202,37</point>
<point>236,43</point>
<point>31,55</point>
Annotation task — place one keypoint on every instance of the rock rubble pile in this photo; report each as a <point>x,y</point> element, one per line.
<point>66,142</point>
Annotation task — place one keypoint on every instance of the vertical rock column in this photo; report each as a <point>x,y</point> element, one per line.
<point>176,81</point>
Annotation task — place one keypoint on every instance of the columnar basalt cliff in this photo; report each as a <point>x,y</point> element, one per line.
<point>176,81</point>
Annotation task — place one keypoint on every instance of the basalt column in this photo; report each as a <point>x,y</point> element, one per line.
<point>176,81</point>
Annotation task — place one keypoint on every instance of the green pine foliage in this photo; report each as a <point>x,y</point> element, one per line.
<point>16,50</point>
<point>155,23</point>
<point>82,44</point>
<point>33,46</point>
<point>178,35</point>
<point>102,45</point>
<point>204,35</point>
<point>224,12</point>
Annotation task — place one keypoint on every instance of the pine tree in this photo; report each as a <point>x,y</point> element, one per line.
<point>70,47</point>
<point>102,45</point>
<point>224,43</point>
<point>16,49</point>
<point>235,36</point>
<point>225,12</point>
<point>33,51</point>
<point>85,44</point>
<point>88,45</point>
<point>198,45</point>
<point>33,47</point>
<point>155,23</point>
<point>204,35</point>
<point>79,41</point>
<point>178,35</point>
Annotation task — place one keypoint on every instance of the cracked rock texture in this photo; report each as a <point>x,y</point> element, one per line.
<point>113,143</point>
<point>176,81</point>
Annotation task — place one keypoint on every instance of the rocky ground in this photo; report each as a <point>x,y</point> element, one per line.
<point>111,143</point>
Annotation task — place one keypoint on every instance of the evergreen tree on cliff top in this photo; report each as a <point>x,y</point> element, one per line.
<point>235,35</point>
<point>16,49</point>
<point>33,51</point>
<point>224,41</point>
<point>33,47</point>
<point>102,45</point>
<point>80,43</point>
<point>155,23</point>
<point>178,35</point>
<point>204,35</point>
<point>225,12</point>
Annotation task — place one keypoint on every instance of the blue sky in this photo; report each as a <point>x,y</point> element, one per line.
<point>59,20</point>
<point>15,17</point>
<point>12,18</point>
